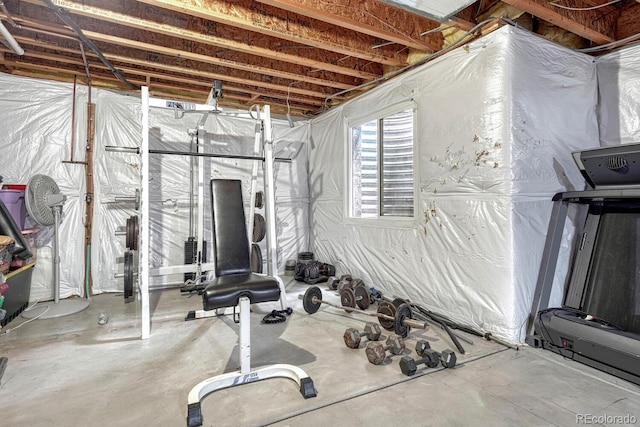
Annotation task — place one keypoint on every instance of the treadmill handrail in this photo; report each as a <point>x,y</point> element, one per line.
<point>604,193</point>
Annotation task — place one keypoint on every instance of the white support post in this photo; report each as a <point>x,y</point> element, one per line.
<point>200,230</point>
<point>245,336</point>
<point>270,196</point>
<point>270,206</point>
<point>143,252</point>
<point>254,175</point>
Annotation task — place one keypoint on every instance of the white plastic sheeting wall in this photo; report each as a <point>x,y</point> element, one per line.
<point>118,119</point>
<point>36,120</point>
<point>35,117</point>
<point>619,84</point>
<point>497,121</point>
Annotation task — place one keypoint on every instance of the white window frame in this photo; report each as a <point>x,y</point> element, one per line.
<point>385,221</point>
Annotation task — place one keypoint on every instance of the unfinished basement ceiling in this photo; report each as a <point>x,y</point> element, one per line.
<point>301,56</point>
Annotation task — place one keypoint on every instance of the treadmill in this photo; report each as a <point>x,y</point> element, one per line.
<point>599,321</point>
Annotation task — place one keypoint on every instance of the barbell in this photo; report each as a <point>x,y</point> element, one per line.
<point>400,319</point>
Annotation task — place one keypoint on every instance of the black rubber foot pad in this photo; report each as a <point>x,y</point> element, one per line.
<point>190,316</point>
<point>306,388</point>
<point>194,415</point>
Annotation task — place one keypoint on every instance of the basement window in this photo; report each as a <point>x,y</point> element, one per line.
<point>381,177</point>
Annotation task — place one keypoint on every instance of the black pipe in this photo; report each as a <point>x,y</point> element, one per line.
<point>62,14</point>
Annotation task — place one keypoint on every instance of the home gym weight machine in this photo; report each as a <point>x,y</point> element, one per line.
<point>139,275</point>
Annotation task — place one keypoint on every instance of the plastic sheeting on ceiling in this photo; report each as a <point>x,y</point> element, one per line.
<point>497,121</point>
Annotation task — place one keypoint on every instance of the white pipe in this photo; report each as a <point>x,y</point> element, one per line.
<point>9,38</point>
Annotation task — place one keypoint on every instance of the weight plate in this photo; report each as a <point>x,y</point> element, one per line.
<point>256,258</point>
<point>259,200</point>
<point>132,233</point>
<point>128,276</point>
<point>311,301</point>
<point>129,233</point>
<point>403,311</point>
<point>348,299</point>
<point>397,301</point>
<point>136,233</point>
<point>134,243</point>
<point>362,297</point>
<point>387,309</point>
<point>259,228</point>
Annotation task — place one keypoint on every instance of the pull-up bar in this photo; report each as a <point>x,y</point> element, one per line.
<point>136,150</point>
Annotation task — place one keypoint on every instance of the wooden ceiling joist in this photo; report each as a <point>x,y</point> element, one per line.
<point>201,37</point>
<point>543,10</point>
<point>628,23</point>
<point>370,17</point>
<point>241,15</point>
<point>206,84</point>
<point>297,53</point>
<point>176,53</point>
<point>165,66</point>
<point>233,65</point>
<point>156,89</point>
<point>261,89</point>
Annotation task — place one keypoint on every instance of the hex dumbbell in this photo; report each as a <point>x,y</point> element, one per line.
<point>332,283</point>
<point>344,282</point>
<point>353,337</point>
<point>429,357</point>
<point>377,352</point>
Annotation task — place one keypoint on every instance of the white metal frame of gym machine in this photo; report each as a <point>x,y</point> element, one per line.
<point>263,138</point>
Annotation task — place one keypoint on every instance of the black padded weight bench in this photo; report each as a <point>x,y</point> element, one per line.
<point>234,285</point>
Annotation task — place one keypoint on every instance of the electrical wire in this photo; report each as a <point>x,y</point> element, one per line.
<point>357,9</point>
<point>411,66</point>
<point>584,8</point>
<point>30,320</point>
<point>611,45</point>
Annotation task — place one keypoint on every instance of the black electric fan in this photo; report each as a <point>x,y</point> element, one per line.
<point>44,204</point>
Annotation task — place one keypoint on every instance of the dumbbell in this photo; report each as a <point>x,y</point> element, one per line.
<point>332,283</point>
<point>377,352</point>
<point>352,336</point>
<point>344,282</point>
<point>429,357</point>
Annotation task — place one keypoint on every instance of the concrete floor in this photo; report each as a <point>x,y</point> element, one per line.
<point>71,371</point>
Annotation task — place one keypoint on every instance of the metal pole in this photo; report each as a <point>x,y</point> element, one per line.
<point>143,253</point>
<point>270,207</point>
<point>221,156</point>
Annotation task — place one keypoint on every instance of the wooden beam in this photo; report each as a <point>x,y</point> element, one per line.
<point>559,17</point>
<point>176,53</point>
<point>370,17</point>
<point>200,37</point>
<point>239,13</point>
<point>268,89</point>
<point>629,21</point>
<point>77,61</point>
<point>54,73</point>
